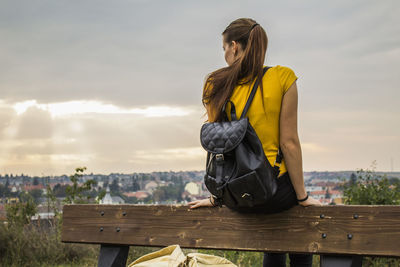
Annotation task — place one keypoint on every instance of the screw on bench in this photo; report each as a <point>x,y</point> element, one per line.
<point>323,235</point>
<point>355,216</point>
<point>349,236</point>
<point>101,229</point>
<point>102,213</point>
<point>117,229</point>
<point>124,213</point>
<point>322,216</point>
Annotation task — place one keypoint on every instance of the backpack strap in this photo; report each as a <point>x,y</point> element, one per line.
<point>233,110</point>
<point>252,94</point>
<point>279,156</point>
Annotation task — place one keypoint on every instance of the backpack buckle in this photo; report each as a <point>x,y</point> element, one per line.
<point>219,157</point>
<point>246,195</point>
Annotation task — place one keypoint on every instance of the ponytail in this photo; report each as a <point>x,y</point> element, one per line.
<point>220,84</point>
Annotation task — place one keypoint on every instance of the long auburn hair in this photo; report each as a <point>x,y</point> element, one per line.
<point>220,84</point>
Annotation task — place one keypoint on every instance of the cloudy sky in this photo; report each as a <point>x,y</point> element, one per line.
<point>116,85</point>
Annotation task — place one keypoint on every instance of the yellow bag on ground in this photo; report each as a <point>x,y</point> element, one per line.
<point>205,260</point>
<point>173,256</point>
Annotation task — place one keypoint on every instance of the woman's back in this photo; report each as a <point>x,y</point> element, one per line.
<point>264,112</point>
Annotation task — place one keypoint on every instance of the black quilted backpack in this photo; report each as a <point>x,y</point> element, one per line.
<point>238,174</point>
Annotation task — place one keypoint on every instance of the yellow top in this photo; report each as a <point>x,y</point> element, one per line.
<point>264,115</point>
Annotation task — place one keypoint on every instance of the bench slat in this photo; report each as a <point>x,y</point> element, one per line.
<point>323,230</point>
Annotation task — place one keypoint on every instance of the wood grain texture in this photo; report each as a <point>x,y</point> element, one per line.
<point>322,230</point>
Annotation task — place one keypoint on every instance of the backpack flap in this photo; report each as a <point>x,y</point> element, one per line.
<point>219,138</point>
<point>222,137</point>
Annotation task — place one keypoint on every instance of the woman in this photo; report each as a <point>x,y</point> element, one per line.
<point>273,115</point>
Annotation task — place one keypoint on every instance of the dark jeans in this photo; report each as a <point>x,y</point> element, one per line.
<point>284,199</point>
<point>279,259</point>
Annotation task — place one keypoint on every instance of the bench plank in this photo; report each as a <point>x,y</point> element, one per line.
<point>347,230</point>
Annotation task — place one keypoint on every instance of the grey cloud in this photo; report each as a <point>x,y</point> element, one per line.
<point>35,124</point>
<point>135,53</point>
<point>116,135</point>
<point>109,143</point>
<point>352,140</point>
<point>120,55</point>
<point>6,116</point>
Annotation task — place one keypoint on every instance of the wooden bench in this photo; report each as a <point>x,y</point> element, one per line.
<point>340,234</point>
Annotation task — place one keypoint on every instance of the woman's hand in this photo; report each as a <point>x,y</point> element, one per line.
<point>200,203</point>
<point>310,202</point>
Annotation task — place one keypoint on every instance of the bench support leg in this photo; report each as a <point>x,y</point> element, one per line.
<point>113,256</point>
<point>340,261</point>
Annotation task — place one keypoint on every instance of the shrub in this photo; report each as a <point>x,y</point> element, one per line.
<point>369,188</point>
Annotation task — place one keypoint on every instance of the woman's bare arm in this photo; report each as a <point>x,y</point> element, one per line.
<point>290,144</point>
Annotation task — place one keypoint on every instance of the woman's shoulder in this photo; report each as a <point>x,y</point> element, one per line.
<point>285,75</point>
<point>281,70</point>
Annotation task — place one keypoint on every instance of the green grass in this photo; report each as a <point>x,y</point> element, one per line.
<point>29,246</point>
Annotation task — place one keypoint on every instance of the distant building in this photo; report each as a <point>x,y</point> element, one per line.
<point>29,187</point>
<point>108,199</point>
<point>192,188</point>
<point>12,200</point>
<point>318,194</point>
<point>338,201</point>
<point>314,188</point>
<point>140,195</point>
<point>151,186</point>
<point>335,194</point>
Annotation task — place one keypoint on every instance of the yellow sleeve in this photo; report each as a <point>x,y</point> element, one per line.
<point>286,77</point>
